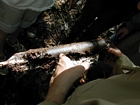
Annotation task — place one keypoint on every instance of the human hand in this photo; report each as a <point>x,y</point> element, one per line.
<point>71,3</point>
<point>122,32</point>
<point>86,65</point>
<point>63,64</point>
<point>65,75</point>
<point>115,53</point>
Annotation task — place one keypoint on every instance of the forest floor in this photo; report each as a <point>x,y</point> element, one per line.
<point>51,27</point>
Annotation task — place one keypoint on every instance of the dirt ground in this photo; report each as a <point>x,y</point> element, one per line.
<point>30,88</point>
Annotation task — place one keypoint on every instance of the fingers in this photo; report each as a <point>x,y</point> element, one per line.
<point>86,65</point>
<point>61,55</point>
<point>115,51</point>
<point>122,32</point>
<point>121,36</point>
<point>63,58</point>
<point>64,62</point>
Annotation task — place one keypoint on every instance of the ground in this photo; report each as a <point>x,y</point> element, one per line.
<point>29,88</point>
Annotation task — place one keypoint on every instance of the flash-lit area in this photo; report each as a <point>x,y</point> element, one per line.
<point>25,74</point>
